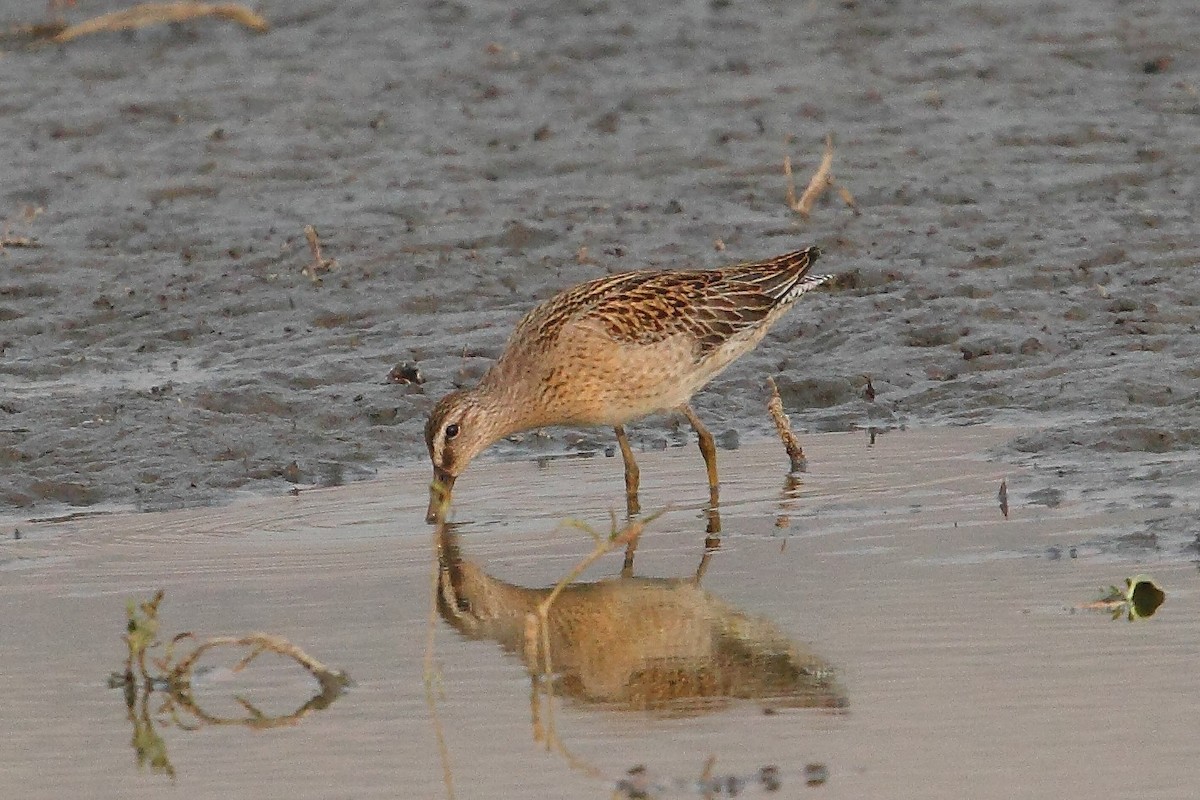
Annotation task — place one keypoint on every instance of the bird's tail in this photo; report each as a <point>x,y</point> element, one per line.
<point>785,277</point>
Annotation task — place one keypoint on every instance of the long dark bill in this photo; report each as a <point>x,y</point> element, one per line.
<point>439,495</point>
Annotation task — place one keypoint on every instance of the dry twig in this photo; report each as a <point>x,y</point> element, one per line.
<point>146,14</point>
<point>784,426</point>
<point>319,264</point>
<point>821,180</point>
<point>8,240</point>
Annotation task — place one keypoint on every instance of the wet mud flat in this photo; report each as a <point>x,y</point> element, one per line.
<point>1026,253</point>
<point>948,649</point>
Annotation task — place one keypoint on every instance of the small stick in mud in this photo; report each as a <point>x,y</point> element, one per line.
<point>784,426</point>
<point>9,239</point>
<point>706,773</point>
<point>1002,495</point>
<point>319,264</point>
<point>146,14</point>
<point>821,180</point>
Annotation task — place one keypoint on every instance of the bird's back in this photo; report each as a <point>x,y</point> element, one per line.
<point>645,307</point>
<point>620,347</point>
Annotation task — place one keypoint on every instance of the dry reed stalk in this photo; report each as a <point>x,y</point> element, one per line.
<point>821,180</point>
<point>9,240</point>
<point>319,264</point>
<point>604,545</point>
<point>784,426</point>
<point>146,14</point>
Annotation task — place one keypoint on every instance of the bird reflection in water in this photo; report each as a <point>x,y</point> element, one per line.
<point>659,644</point>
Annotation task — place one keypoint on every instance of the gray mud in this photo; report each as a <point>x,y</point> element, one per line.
<point>1027,253</point>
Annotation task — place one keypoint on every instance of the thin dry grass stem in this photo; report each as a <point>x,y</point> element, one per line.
<point>537,623</point>
<point>821,181</point>
<point>551,738</point>
<point>580,525</point>
<point>1102,605</point>
<point>146,14</point>
<point>789,183</point>
<point>604,545</point>
<point>847,198</point>
<point>319,264</point>
<point>432,674</point>
<point>574,761</point>
<point>784,426</point>
<point>547,676</point>
<point>702,567</point>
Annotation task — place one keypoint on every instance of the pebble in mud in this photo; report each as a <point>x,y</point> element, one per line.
<point>405,373</point>
<point>815,774</point>
<point>640,784</point>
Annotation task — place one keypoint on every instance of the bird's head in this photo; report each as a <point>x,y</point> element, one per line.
<point>458,429</point>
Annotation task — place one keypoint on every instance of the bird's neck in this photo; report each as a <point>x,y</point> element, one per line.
<point>511,409</point>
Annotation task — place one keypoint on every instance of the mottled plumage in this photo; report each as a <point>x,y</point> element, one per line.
<point>615,349</point>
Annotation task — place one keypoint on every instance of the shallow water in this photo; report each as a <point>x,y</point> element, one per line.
<point>1028,175</point>
<point>965,669</point>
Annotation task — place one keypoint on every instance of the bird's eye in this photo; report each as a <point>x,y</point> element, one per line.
<point>452,430</point>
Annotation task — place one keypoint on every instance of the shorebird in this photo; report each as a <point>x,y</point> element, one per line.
<point>613,350</point>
